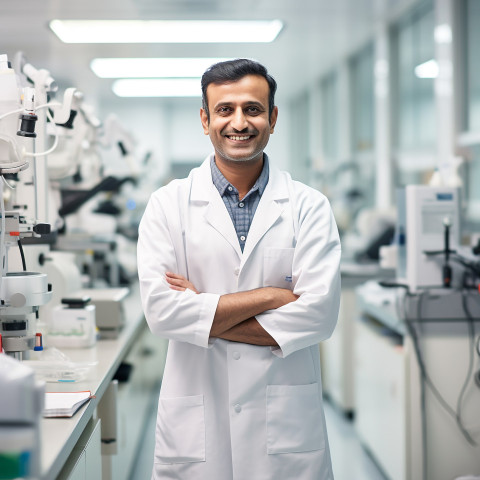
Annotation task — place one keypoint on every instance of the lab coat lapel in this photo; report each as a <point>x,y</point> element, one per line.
<point>269,209</point>
<point>216,214</point>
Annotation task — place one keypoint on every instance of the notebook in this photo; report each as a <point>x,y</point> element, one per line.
<point>64,404</point>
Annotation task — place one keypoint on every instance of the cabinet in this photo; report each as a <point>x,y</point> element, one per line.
<point>85,461</point>
<point>389,414</point>
<point>133,400</point>
<point>380,378</point>
<point>337,354</point>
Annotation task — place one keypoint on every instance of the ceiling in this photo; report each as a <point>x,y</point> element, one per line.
<point>315,35</point>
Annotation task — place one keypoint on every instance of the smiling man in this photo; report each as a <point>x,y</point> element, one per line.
<point>239,269</point>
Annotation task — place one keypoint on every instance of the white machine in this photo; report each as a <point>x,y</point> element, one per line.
<point>34,208</point>
<point>21,292</point>
<point>428,230</point>
<point>73,324</point>
<point>21,406</point>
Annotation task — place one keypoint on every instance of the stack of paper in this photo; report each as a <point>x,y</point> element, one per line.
<point>64,404</point>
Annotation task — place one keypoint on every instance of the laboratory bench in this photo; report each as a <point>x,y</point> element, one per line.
<point>337,352</point>
<point>101,439</point>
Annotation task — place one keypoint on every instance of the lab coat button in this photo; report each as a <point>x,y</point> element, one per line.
<point>238,408</point>
<point>236,271</point>
<point>236,355</point>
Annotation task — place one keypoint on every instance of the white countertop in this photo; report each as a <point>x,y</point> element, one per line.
<point>59,435</point>
<point>384,304</point>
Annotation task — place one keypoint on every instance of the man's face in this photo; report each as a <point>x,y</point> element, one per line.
<point>239,127</point>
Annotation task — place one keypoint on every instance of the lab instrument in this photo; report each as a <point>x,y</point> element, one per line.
<point>21,404</point>
<point>423,212</point>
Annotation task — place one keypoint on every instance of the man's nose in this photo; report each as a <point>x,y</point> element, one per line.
<point>239,120</point>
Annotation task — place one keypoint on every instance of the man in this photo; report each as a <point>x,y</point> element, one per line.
<point>239,269</point>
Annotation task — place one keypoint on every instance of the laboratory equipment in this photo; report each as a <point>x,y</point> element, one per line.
<point>428,230</point>
<point>21,406</point>
<point>86,194</point>
<point>72,324</point>
<point>11,157</point>
<point>424,387</point>
<point>21,292</point>
<point>110,310</point>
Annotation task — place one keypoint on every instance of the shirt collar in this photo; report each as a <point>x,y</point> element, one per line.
<point>222,184</point>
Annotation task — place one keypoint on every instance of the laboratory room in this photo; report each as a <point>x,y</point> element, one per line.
<point>175,177</point>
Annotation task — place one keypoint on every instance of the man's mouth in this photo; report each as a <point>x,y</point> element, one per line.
<point>239,137</point>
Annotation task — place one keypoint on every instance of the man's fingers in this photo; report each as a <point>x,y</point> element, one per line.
<point>180,289</point>
<point>174,275</point>
<point>174,281</point>
<point>179,281</point>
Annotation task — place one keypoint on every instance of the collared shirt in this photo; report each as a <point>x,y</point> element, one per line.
<point>241,211</point>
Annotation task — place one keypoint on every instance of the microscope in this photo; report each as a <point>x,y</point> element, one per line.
<point>21,292</point>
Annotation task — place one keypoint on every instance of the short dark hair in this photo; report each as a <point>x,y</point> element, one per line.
<point>232,71</point>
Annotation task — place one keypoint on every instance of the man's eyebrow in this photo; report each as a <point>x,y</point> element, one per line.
<point>253,102</point>
<point>248,103</point>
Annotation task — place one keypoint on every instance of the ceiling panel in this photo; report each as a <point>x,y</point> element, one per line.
<point>316,33</point>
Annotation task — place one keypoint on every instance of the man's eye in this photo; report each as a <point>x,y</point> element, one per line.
<point>253,110</point>
<point>223,110</point>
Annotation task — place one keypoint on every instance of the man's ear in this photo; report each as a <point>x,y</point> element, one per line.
<point>204,119</point>
<point>273,119</point>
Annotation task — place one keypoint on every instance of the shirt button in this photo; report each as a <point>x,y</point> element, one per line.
<point>236,355</point>
<point>230,188</point>
<point>243,238</point>
<point>238,408</point>
<point>241,204</point>
<point>236,271</point>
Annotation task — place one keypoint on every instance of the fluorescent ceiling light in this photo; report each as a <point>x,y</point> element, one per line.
<point>157,87</point>
<point>151,67</point>
<point>427,69</point>
<point>166,31</point>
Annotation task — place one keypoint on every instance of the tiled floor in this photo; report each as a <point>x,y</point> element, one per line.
<point>350,461</point>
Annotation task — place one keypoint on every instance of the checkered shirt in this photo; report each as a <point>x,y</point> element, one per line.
<point>241,211</point>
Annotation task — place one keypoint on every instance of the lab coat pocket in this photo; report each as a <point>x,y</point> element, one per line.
<point>294,419</point>
<point>277,267</point>
<point>180,434</point>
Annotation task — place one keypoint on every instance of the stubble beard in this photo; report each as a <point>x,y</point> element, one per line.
<point>248,158</point>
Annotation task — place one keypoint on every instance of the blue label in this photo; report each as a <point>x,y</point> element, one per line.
<point>444,196</point>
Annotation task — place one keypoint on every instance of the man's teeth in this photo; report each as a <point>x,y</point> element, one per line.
<point>234,137</point>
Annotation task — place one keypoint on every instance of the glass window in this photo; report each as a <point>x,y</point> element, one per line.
<point>363,125</point>
<point>473,61</point>
<point>300,143</point>
<point>329,117</point>
<point>471,168</point>
<point>414,106</point>
<point>363,118</point>
<point>471,181</point>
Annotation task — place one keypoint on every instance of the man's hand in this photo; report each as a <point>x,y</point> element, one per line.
<point>178,282</point>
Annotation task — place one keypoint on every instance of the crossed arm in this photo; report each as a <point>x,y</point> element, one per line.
<point>234,318</point>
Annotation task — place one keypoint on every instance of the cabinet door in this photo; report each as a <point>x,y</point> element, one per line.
<point>78,472</point>
<point>380,403</point>
<point>85,461</point>
<point>93,455</point>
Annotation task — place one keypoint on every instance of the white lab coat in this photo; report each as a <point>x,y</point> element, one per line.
<point>231,410</point>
